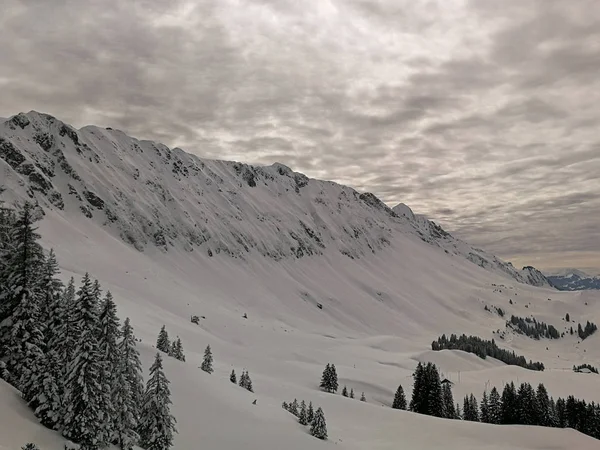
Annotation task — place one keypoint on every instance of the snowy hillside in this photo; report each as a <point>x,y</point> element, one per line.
<point>152,196</point>
<point>286,275</point>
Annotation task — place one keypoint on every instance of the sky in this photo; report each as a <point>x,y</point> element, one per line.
<point>482,115</point>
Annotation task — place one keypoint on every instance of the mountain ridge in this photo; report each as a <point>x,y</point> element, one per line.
<point>152,196</point>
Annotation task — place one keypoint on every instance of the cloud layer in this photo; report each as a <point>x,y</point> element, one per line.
<point>481,114</point>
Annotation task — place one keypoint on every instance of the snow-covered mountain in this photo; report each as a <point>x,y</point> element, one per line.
<point>286,274</point>
<point>153,196</point>
<point>573,280</point>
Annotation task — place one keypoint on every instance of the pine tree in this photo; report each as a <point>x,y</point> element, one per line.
<point>333,384</point>
<point>459,414</point>
<point>399,399</point>
<point>162,343</point>
<point>232,377</point>
<point>509,414</point>
<point>30,446</point>
<point>177,350</point>
<point>208,360</point>
<point>325,378</point>
<point>109,334</point>
<point>310,413</point>
<point>363,398</point>
<point>302,415</point>
<point>345,392</point>
<point>45,386</point>
<point>485,409</point>
<point>285,406</point>
<point>245,381</point>
<point>128,392</point>
<point>87,401</point>
<point>495,407</point>
<point>294,407</point>
<point>351,393</point>
<point>543,404</point>
<point>417,402</point>
<point>51,288</point>
<point>157,425</point>
<point>448,402</point>
<point>97,293</point>
<point>435,404</point>
<point>470,409</point>
<point>318,427</point>
<point>21,330</point>
<point>248,383</point>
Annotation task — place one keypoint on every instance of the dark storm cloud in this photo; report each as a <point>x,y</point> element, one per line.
<point>481,114</point>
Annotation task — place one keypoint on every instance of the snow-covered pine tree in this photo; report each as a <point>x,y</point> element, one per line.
<point>157,425</point>
<point>177,350</point>
<point>333,379</point>
<point>494,407</point>
<point>294,407</point>
<point>109,334</point>
<point>232,377</point>
<point>87,402</point>
<point>345,391</point>
<point>21,331</point>
<point>162,343</point>
<point>325,378</point>
<point>351,393</point>
<point>248,384</point>
<point>318,427</point>
<point>484,408</point>
<point>399,399</point>
<point>417,402</point>
<point>51,288</point>
<point>448,402</point>
<point>363,398</point>
<point>97,293</point>
<point>242,382</point>
<point>7,222</point>
<point>302,415</point>
<point>435,403</point>
<point>459,414</point>
<point>129,391</point>
<point>310,413</point>
<point>48,386</point>
<point>285,406</point>
<point>543,404</point>
<point>208,361</point>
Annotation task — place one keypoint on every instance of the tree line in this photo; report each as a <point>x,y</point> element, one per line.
<point>533,328</point>
<point>483,348</point>
<point>522,406</point>
<point>67,353</point>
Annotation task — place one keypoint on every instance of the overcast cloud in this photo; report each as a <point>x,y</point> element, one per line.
<point>483,114</point>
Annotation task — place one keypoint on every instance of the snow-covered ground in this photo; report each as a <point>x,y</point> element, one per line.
<point>374,340</point>
<point>379,314</point>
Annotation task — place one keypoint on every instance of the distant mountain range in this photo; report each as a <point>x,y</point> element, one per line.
<point>573,280</point>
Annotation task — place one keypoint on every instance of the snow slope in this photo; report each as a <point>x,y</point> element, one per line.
<point>381,308</point>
